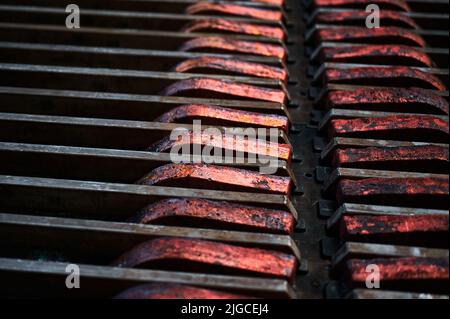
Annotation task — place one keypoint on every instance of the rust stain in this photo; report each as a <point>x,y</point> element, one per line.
<point>419,186</point>
<point>224,114</point>
<point>226,87</point>
<point>359,225</point>
<point>232,65</point>
<point>227,44</point>
<point>387,96</point>
<point>277,2</point>
<point>345,16</point>
<point>257,218</point>
<point>389,35</point>
<point>388,123</point>
<point>235,27</point>
<point>208,253</point>
<point>241,144</point>
<point>174,291</point>
<point>208,7</point>
<point>407,268</point>
<point>399,4</point>
<point>391,73</point>
<point>351,53</point>
<point>218,174</point>
<point>390,154</point>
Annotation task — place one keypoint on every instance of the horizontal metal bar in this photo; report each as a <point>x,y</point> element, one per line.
<point>145,133</point>
<point>94,56</point>
<point>107,37</point>
<point>112,165</point>
<point>82,198</point>
<point>114,105</point>
<point>274,287</point>
<point>112,238</point>
<point>112,18</point>
<point>173,6</point>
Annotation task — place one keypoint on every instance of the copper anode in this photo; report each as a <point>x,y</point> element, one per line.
<point>254,260</point>
<point>226,87</point>
<point>218,174</point>
<point>235,27</point>
<point>380,97</point>
<point>237,116</point>
<point>223,8</point>
<point>357,74</point>
<point>258,218</point>
<point>384,34</point>
<point>238,46</point>
<point>233,66</point>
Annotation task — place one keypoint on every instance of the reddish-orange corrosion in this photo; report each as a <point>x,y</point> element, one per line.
<point>388,35</point>
<point>399,4</point>
<point>227,44</point>
<point>278,2</point>
<point>212,254</point>
<point>263,14</point>
<point>344,157</point>
<point>225,213</point>
<point>226,87</point>
<point>361,225</point>
<point>388,124</point>
<point>411,187</point>
<point>221,175</point>
<point>173,291</point>
<point>360,16</point>
<point>379,53</point>
<point>407,268</point>
<point>235,27</point>
<point>358,74</point>
<point>387,97</point>
<point>192,111</point>
<point>235,143</point>
<point>232,65</point>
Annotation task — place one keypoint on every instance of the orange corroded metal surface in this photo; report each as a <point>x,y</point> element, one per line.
<point>378,53</point>
<point>221,8</point>
<point>360,16</point>
<point>227,44</point>
<point>174,291</point>
<point>235,27</point>
<point>241,144</point>
<point>420,153</point>
<point>360,226</point>
<point>407,268</point>
<point>210,254</point>
<point>226,87</point>
<point>419,187</point>
<point>388,97</point>
<point>219,212</point>
<point>388,35</point>
<point>392,123</point>
<point>237,116</point>
<point>221,175</point>
<point>233,66</point>
<point>390,74</point>
<point>399,4</point>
